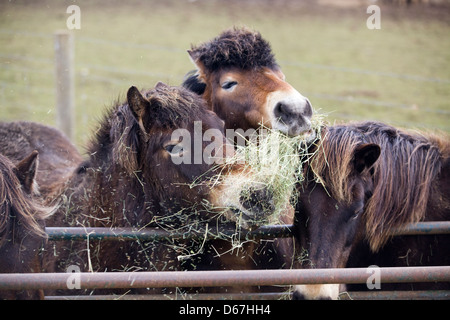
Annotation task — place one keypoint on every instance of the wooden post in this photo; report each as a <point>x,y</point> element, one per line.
<point>65,107</point>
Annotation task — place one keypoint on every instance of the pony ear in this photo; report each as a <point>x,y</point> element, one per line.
<point>194,56</point>
<point>201,69</point>
<point>139,107</point>
<point>137,103</point>
<point>160,85</point>
<point>365,156</point>
<point>26,170</point>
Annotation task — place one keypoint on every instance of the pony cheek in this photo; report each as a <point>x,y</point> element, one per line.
<point>227,108</point>
<point>256,118</point>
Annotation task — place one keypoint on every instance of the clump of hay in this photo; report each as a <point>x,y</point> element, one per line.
<point>274,164</point>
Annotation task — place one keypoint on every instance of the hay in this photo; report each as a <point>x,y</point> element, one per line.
<point>273,166</point>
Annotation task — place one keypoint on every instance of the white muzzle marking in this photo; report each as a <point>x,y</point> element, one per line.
<point>318,291</point>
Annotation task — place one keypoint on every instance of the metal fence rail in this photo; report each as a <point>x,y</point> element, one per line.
<point>163,279</point>
<point>353,295</point>
<point>265,232</point>
<point>153,234</point>
<point>130,280</point>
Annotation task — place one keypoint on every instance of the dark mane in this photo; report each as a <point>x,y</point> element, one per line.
<point>241,48</point>
<point>403,175</point>
<point>119,129</point>
<point>17,206</point>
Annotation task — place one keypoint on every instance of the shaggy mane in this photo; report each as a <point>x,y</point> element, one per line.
<point>119,131</point>
<point>16,206</point>
<point>403,175</point>
<point>237,47</point>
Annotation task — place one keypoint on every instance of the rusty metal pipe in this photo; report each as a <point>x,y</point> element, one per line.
<point>351,295</point>
<point>153,234</point>
<point>265,232</point>
<point>396,295</point>
<point>220,278</point>
<point>166,296</point>
<point>423,228</point>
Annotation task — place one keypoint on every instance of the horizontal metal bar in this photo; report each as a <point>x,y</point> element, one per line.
<point>153,234</point>
<point>352,295</point>
<point>111,280</point>
<point>423,228</point>
<point>198,296</point>
<point>264,232</point>
<point>396,295</point>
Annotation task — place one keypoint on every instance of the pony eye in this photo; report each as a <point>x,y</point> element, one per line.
<point>357,213</point>
<point>169,148</point>
<point>228,85</point>
<point>174,149</point>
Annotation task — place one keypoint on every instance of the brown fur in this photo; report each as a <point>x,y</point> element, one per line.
<point>176,108</point>
<point>129,180</point>
<point>241,56</point>
<point>58,157</point>
<point>364,180</point>
<point>236,75</point>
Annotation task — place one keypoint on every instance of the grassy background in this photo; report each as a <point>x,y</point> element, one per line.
<point>399,74</point>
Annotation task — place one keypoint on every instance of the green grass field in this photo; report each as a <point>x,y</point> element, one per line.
<point>399,74</point>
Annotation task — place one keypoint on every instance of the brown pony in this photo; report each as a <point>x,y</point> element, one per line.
<point>364,180</point>
<point>22,221</point>
<point>133,178</point>
<point>240,80</point>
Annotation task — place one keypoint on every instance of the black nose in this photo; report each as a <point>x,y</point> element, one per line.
<point>297,296</point>
<point>283,112</point>
<point>259,201</point>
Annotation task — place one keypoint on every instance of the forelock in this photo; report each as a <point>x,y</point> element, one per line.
<point>237,47</point>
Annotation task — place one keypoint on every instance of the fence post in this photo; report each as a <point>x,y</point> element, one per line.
<point>65,107</point>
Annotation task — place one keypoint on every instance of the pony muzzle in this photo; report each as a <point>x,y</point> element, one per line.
<point>316,292</point>
<point>291,112</point>
<point>249,205</point>
<point>258,205</point>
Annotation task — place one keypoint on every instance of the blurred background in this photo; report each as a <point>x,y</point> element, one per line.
<point>399,74</point>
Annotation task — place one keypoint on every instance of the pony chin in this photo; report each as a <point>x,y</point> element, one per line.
<point>316,292</point>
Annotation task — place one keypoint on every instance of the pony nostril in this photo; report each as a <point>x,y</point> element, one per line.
<point>283,111</point>
<point>259,201</point>
<point>297,296</point>
<point>279,108</point>
<point>308,109</point>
